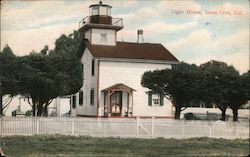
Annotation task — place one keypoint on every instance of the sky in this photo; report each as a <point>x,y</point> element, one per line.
<point>194,31</point>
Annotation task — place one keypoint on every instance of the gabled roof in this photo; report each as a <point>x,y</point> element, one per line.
<point>126,50</point>
<point>119,87</point>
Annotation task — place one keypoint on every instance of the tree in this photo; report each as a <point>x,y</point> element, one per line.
<point>218,82</point>
<point>178,84</point>
<point>238,93</point>
<point>7,59</point>
<point>45,77</point>
<point>7,78</point>
<point>245,78</point>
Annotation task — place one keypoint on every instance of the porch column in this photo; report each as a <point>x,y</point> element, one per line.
<point>110,93</point>
<point>108,104</point>
<point>130,109</point>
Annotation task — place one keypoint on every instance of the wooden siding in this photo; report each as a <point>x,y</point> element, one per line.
<point>130,74</point>
<point>96,33</point>
<point>89,82</point>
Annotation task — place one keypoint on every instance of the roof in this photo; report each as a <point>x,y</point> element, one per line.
<point>100,4</point>
<point>119,87</point>
<point>127,50</point>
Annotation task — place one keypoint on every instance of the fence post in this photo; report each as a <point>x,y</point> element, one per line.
<point>37,126</point>
<point>1,125</point>
<point>73,128</point>
<point>137,126</point>
<point>105,127</point>
<point>210,130</point>
<point>152,126</point>
<point>237,131</point>
<point>183,128</point>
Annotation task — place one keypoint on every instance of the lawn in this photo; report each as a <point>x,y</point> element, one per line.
<point>41,146</point>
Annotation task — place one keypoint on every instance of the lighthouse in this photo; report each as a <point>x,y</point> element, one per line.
<point>112,70</point>
<point>100,28</point>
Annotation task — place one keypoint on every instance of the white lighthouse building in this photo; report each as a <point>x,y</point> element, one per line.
<point>112,71</point>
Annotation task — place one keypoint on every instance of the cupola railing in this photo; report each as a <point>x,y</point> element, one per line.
<point>114,22</point>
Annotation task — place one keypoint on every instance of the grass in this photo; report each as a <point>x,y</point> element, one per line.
<point>41,146</point>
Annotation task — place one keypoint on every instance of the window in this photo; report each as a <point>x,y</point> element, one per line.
<point>81,98</point>
<point>103,37</point>
<point>92,97</point>
<point>73,101</point>
<point>95,11</point>
<point>109,11</point>
<point>155,99</point>
<point>103,11</point>
<point>93,67</point>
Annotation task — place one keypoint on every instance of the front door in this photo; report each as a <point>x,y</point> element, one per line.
<point>116,104</point>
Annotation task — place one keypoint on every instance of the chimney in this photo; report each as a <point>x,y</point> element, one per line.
<point>140,36</point>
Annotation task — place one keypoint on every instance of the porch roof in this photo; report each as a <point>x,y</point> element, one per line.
<point>119,87</point>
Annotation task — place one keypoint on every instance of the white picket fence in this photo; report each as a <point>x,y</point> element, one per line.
<point>123,127</point>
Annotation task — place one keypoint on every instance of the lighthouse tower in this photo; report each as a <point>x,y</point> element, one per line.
<point>100,28</point>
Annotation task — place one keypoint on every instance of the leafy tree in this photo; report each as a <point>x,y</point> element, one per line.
<point>8,81</point>
<point>178,84</point>
<point>7,59</point>
<point>238,93</point>
<point>45,76</point>
<point>44,51</point>
<point>218,84</point>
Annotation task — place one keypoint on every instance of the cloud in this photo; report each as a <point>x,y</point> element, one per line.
<point>23,42</point>
<point>121,4</point>
<point>142,16</point>
<point>179,5</point>
<point>193,40</point>
<point>34,24</point>
<point>40,13</point>
<point>161,27</point>
<point>199,47</point>
<point>231,7</point>
<point>127,35</point>
<point>240,60</point>
<point>153,30</point>
<point>234,10</point>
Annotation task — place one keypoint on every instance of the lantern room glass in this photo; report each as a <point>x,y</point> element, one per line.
<point>100,10</point>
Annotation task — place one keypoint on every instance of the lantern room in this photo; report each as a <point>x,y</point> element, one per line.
<point>100,27</point>
<point>100,13</point>
<point>100,9</point>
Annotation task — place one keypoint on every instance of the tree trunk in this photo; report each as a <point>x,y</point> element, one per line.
<point>45,110</point>
<point>177,112</point>
<point>33,108</point>
<point>223,114</point>
<point>235,114</point>
<point>39,110</point>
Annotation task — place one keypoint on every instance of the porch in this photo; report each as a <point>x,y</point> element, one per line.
<point>118,101</point>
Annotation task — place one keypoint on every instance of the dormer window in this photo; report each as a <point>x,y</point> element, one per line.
<point>103,37</point>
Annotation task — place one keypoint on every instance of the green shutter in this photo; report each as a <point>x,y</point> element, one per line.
<point>83,71</point>
<point>161,99</point>
<point>93,67</point>
<point>149,98</point>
